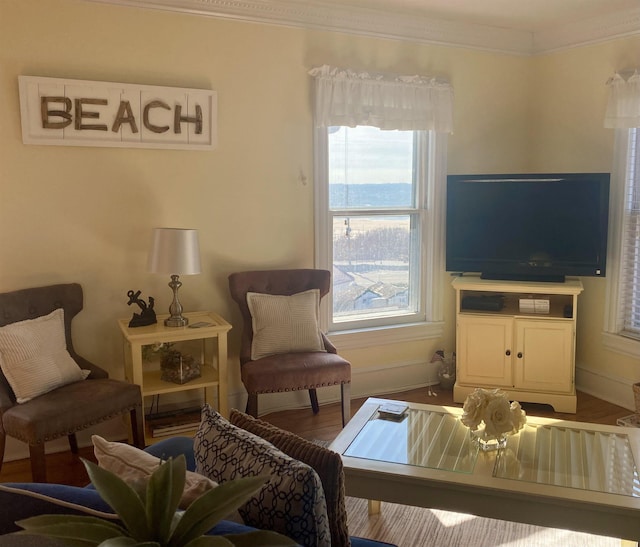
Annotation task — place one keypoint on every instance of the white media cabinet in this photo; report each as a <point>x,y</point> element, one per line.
<point>529,354</point>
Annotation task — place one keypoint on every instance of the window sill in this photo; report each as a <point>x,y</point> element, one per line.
<point>621,344</point>
<point>380,336</point>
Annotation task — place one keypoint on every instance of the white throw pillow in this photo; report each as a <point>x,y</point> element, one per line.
<point>34,356</point>
<point>284,324</point>
<point>132,464</point>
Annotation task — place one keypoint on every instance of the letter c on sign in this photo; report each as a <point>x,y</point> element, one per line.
<point>145,116</point>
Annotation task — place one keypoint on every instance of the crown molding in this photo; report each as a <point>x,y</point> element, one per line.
<point>589,31</point>
<point>332,17</point>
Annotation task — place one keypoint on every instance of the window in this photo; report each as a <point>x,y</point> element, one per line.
<point>376,182</point>
<point>622,319</point>
<point>630,256</point>
<point>624,285</point>
<point>379,179</point>
<point>379,231</point>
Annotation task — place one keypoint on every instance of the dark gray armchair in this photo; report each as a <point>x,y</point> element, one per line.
<point>69,408</point>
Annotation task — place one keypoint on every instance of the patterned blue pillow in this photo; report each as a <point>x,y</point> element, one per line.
<point>292,501</point>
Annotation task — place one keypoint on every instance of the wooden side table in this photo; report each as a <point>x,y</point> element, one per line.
<point>213,358</point>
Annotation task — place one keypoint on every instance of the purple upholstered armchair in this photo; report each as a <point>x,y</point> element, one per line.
<point>289,371</point>
<point>69,408</point>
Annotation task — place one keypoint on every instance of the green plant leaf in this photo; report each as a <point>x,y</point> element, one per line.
<point>250,539</point>
<point>177,516</point>
<point>139,486</point>
<point>149,526</point>
<point>67,542</point>
<point>79,530</point>
<point>213,506</point>
<point>264,538</point>
<point>122,498</point>
<point>164,490</point>
<point>128,542</point>
<point>210,541</point>
<point>45,520</point>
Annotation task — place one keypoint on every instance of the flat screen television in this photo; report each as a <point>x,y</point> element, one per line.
<point>539,227</point>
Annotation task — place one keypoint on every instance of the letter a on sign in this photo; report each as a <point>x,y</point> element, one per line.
<point>63,112</point>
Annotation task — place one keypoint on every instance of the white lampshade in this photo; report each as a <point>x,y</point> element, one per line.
<point>174,251</point>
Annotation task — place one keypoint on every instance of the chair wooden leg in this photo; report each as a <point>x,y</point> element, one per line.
<point>345,393</point>
<point>38,463</point>
<point>3,441</point>
<point>137,427</point>
<point>252,405</point>
<point>73,443</point>
<point>313,395</point>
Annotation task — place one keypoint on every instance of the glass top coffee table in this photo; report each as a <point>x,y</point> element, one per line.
<point>559,474</point>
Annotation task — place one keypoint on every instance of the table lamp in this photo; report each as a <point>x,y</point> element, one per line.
<point>175,251</point>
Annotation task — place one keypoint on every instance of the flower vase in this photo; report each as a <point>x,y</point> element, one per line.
<point>487,442</point>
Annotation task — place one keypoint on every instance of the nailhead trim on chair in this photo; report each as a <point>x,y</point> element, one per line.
<point>82,427</point>
<point>285,390</point>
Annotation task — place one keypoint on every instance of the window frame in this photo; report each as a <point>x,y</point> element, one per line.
<point>430,205</point>
<point>614,337</point>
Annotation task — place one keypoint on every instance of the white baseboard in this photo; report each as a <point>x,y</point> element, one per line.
<point>404,376</point>
<point>613,389</point>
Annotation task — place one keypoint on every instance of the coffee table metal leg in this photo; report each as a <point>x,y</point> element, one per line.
<point>374,507</point>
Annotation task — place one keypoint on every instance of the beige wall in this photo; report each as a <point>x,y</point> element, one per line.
<point>85,214</point>
<point>568,104</point>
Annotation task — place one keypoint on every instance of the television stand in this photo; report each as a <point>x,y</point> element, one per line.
<point>525,347</point>
<point>524,277</point>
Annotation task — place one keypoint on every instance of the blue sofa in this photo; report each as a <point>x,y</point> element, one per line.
<point>19,505</point>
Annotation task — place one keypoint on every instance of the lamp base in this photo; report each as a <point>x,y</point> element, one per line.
<point>177,321</point>
<point>176,318</point>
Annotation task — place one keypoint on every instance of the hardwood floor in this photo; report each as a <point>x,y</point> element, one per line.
<point>327,423</point>
<point>66,468</point>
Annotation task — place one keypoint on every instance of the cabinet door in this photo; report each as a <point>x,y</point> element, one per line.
<point>483,350</point>
<point>544,355</point>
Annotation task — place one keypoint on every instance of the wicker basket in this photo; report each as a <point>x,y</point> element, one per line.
<point>636,396</point>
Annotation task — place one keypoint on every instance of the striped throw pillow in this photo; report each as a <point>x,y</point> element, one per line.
<point>34,356</point>
<point>284,324</point>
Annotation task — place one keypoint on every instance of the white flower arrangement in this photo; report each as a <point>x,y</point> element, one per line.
<point>493,408</point>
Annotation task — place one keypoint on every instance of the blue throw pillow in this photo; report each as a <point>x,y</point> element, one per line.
<point>22,500</point>
<point>86,497</point>
<point>173,447</point>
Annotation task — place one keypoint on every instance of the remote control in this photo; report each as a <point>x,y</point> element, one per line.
<point>393,410</point>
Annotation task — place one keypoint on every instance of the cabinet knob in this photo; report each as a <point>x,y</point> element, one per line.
<point>508,352</point>
<point>519,355</point>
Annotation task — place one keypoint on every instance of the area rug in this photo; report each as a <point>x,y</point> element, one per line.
<point>407,526</point>
<point>417,527</point>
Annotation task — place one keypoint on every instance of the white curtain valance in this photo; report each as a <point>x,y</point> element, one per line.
<point>346,97</point>
<point>623,108</point>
